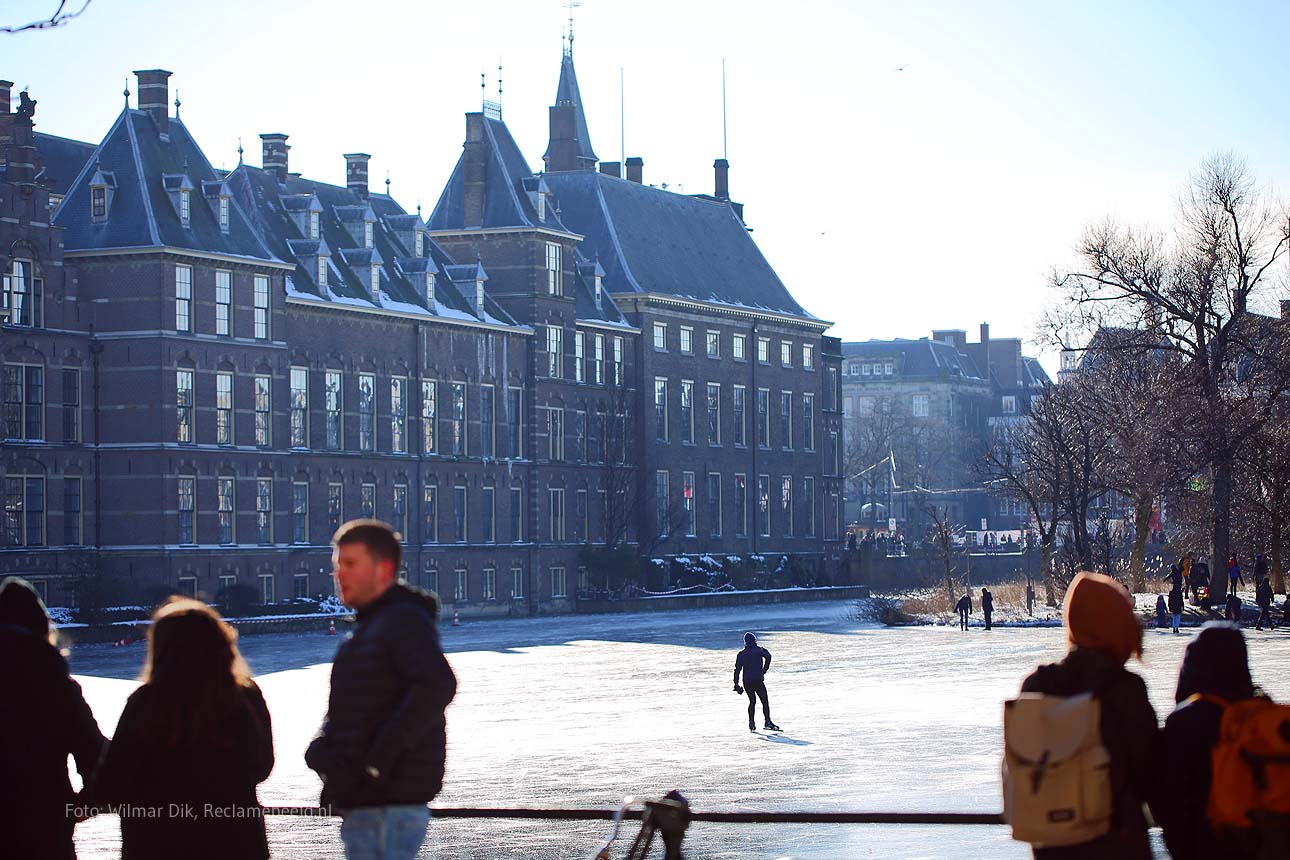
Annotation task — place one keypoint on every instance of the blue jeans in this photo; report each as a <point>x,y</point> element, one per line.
<point>384,832</point>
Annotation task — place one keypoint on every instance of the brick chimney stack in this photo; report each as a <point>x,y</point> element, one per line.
<point>612,168</point>
<point>356,173</point>
<point>6,118</point>
<point>562,150</point>
<point>273,154</point>
<point>635,169</point>
<point>722,169</point>
<point>154,96</point>
<point>5,88</point>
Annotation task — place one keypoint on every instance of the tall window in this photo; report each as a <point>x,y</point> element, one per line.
<point>579,356</point>
<point>553,269</point>
<point>741,505</point>
<point>333,382</point>
<point>429,514</point>
<point>428,406</point>
<point>517,583</point>
<point>184,405</point>
<point>687,503</point>
<point>187,510</point>
<point>223,408</point>
<point>618,361</point>
<point>714,504</point>
<point>224,510</point>
<point>264,510</point>
<point>313,225</point>
<point>555,497</point>
<point>555,433</point>
<point>23,295</point>
<point>687,412</point>
<point>580,436</point>
<point>460,585</point>
<point>763,350</point>
<point>299,512</point>
<point>335,507</point>
<point>367,412</point>
<point>687,340</point>
<point>487,422</point>
<point>786,504</point>
<point>808,422</point>
<point>808,496</point>
<point>517,514</point>
<point>322,270</point>
<point>261,307</point>
<point>299,407</point>
<point>660,409</point>
<point>367,234</point>
<point>515,421</point>
<point>24,510</point>
<point>367,501</point>
<point>714,413</point>
<point>786,419</point>
<point>488,512</point>
<point>662,501</point>
<point>399,414</point>
<point>267,589</point>
<point>223,214</point>
<point>763,417</point>
<point>489,590</point>
<point>660,337</point>
<point>558,584</point>
<point>786,353</point>
<point>738,347</point>
<point>581,517</point>
<point>72,531</point>
<point>71,404</point>
<point>598,359</point>
<point>763,505</point>
<point>185,208</point>
<point>919,406</point>
<point>457,424</point>
<point>263,411</point>
<point>740,409</point>
<point>808,356</point>
<point>831,393</point>
<point>399,511</point>
<point>459,514</point>
<point>183,298</point>
<point>98,202</point>
<point>555,351</point>
<point>714,344</point>
<point>224,303</point>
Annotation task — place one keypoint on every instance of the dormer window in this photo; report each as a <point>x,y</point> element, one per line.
<point>430,289</point>
<point>479,297</point>
<point>98,201</point>
<point>367,234</point>
<point>54,200</point>
<point>322,271</point>
<point>223,214</point>
<point>185,208</point>
<point>421,244</point>
<point>376,281</point>
<point>313,225</point>
<point>541,207</point>
<point>598,279</point>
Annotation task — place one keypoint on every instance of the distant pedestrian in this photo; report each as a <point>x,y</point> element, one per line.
<point>1234,577</point>
<point>987,606</point>
<point>1175,577</point>
<point>43,720</point>
<point>1263,597</point>
<point>964,607</point>
<point>1260,567</point>
<point>1162,612</point>
<point>1232,608</point>
<point>381,748</point>
<point>754,662</point>
<point>1030,598</point>
<point>194,736</point>
<point>1176,607</point>
<point>851,541</point>
<point>1189,575</point>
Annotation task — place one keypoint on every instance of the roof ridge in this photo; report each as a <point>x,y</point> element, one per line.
<point>143,185</point>
<point>89,164</point>
<point>510,184</point>
<point>613,237</point>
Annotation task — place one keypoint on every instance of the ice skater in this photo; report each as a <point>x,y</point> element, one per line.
<point>754,662</point>
<point>964,607</point>
<point>987,607</point>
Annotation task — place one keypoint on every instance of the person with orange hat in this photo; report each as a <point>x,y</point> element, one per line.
<point>1103,632</point>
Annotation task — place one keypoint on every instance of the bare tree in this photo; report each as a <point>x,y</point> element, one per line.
<point>1263,493</point>
<point>60,16</point>
<point>943,534</point>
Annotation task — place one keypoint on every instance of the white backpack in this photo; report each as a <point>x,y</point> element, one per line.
<point>1056,772</point>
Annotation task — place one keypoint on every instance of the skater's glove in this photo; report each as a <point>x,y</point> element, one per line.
<point>739,689</point>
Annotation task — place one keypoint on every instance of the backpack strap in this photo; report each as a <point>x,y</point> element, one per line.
<point>1206,697</point>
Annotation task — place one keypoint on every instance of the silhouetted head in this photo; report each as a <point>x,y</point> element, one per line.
<point>20,606</point>
<point>749,640</point>
<point>365,557</point>
<point>1216,663</point>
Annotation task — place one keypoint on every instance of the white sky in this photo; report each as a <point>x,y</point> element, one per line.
<point>891,202</point>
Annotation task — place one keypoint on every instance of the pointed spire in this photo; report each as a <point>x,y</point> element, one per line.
<point>387,183</point>
<point>568,96</point>
<point>176,104</point>
<point>239,152</point>
<point>126,92</point>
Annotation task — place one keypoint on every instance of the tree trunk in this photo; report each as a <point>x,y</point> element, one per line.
<point>1223,470</point>
<point>1137,561</point>
<point>1050,585</point>
<point>1278,575</point>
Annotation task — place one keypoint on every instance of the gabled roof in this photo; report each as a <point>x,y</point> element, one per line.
<point>654,241</point>
<point>923,358</point>
<point>584,295</point>
<point>566,93</point>
<point>62,160</point>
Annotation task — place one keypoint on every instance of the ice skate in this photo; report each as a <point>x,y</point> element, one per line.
<point>771,727</point>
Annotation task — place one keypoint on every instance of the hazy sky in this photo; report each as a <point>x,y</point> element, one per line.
<point>889,201</point>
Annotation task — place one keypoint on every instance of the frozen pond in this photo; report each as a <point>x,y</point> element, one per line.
<point>580,711</point>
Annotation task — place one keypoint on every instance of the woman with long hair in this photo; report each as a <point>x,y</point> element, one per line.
<point>191,746</point>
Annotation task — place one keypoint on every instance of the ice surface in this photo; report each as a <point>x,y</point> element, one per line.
<point>582,710</point>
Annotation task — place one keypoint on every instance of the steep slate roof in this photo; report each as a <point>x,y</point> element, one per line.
<point>566,93</point>
<point>650,240</point>
<point>585,295</point>
<point>924,358</point>
<point>141,214</point>
<point>62,160</point>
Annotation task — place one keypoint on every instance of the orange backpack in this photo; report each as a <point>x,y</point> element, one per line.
<point>1251,763</point>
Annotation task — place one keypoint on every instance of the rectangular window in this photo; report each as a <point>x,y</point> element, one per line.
<point>23,295</point>
<point>553,282</point>
<point>399,414</point>
<point>264,510</point>
<point>831,392</point>
<point>557,582</point>
<point>183,298</point>
<point>223,408</point>
<point>618,361</point>
<point>808,357</point>
<point>459,514</point>
<point>515,421</point>
<point>399,512</point>
<point>322,270</point>
<point>662,501</point>
<point>786,420</point>
<point>261,307</point>
<point>598,359</point>
<point>367,501</point>
<point>299,407</point>
<point>808,496</point>
<point>763,350</point>
<point>185,208</point>
<point>313,225</point>
<point>687,503</point>
<point>367,234</point>
<point>457,420</point>
<point>786,504</point>
<point>429,514</point>
<point>299,512</point>
<point>763,417</point>
<point>184,405</point>
<point>71,404</point>
<point>489,591</point>
<point>263,412</point>
<point>72,525</point>
<point>488,511</point>
<point>714,344</point>
<point>224,506</point>
<point>660,337</point>
<point>1009,405</point>
<point>555,351</point>
<point>687,340</point>
<point>187,510</point>
<point>334,396</point>
<point>581,517</point>
<point>740,409</point>
<point>487,422</point>
<point>517,514</point>
<point>460,586</point>
<point>367,412</point>
<point>808,422</point>
<point>223,214</point>
<point>687,412</point>
<point>660,409</point>
<point>738,347</point>
<point>517,583</point>
<point>714,504</point>
<point>428,416</point>
<point>268,593</point>
<point>24,401</point>
<point>714,413</point>
<point>579,356</point>
<point>98,205</point>
<point>224,303</point>
<point>335,507</point>
<point>300,586</point>
<point>763,505</point>
<point>785,353</point>
<point>24,511</point>
<point>741,505</point>
<point>580,436</point>
<point>919,406</point>
<point>555,498</point>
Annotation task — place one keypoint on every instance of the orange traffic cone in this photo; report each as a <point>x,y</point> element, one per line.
<point>456,619</point>
<point>331,628</point>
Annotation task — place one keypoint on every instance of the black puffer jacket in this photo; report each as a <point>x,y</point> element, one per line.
<point>390,685</point>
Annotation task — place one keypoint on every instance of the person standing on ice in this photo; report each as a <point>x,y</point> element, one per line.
<point>987,606</point>
<point>754,662</point>
<point>964,607</point>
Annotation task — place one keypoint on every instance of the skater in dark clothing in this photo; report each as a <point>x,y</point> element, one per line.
<point>754,662</point>
<point>1030,599</point>
<point>1162,612</point>
<point>1260,567</point>
<point>987,605</point>
<point>1263,596</point>
<point>964,606</point>
<point>1232,608</point>
<point>1175,577</point>
<point>1176,607</point>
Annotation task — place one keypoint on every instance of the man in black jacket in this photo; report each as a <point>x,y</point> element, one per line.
<point>1263,597</point>
<point>381,749</point>
<point>754,662</point>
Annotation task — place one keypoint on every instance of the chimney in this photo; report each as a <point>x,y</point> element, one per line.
<point>5,88</point>
<point>6,118</point>
<point>473,171</point>
<point>19,153</point>
<point>273,154</point>
<point>356,173</point>
<point>562,148</point>
<point>612,168</point>
<point>722,168</point>
<point>154,94</point>
<point>635,169</point>
<point>985,349</point>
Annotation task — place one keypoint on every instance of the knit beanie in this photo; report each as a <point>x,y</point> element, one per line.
<point>20,606</point>
<point>749,639</point>
<point>1099,616</point>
